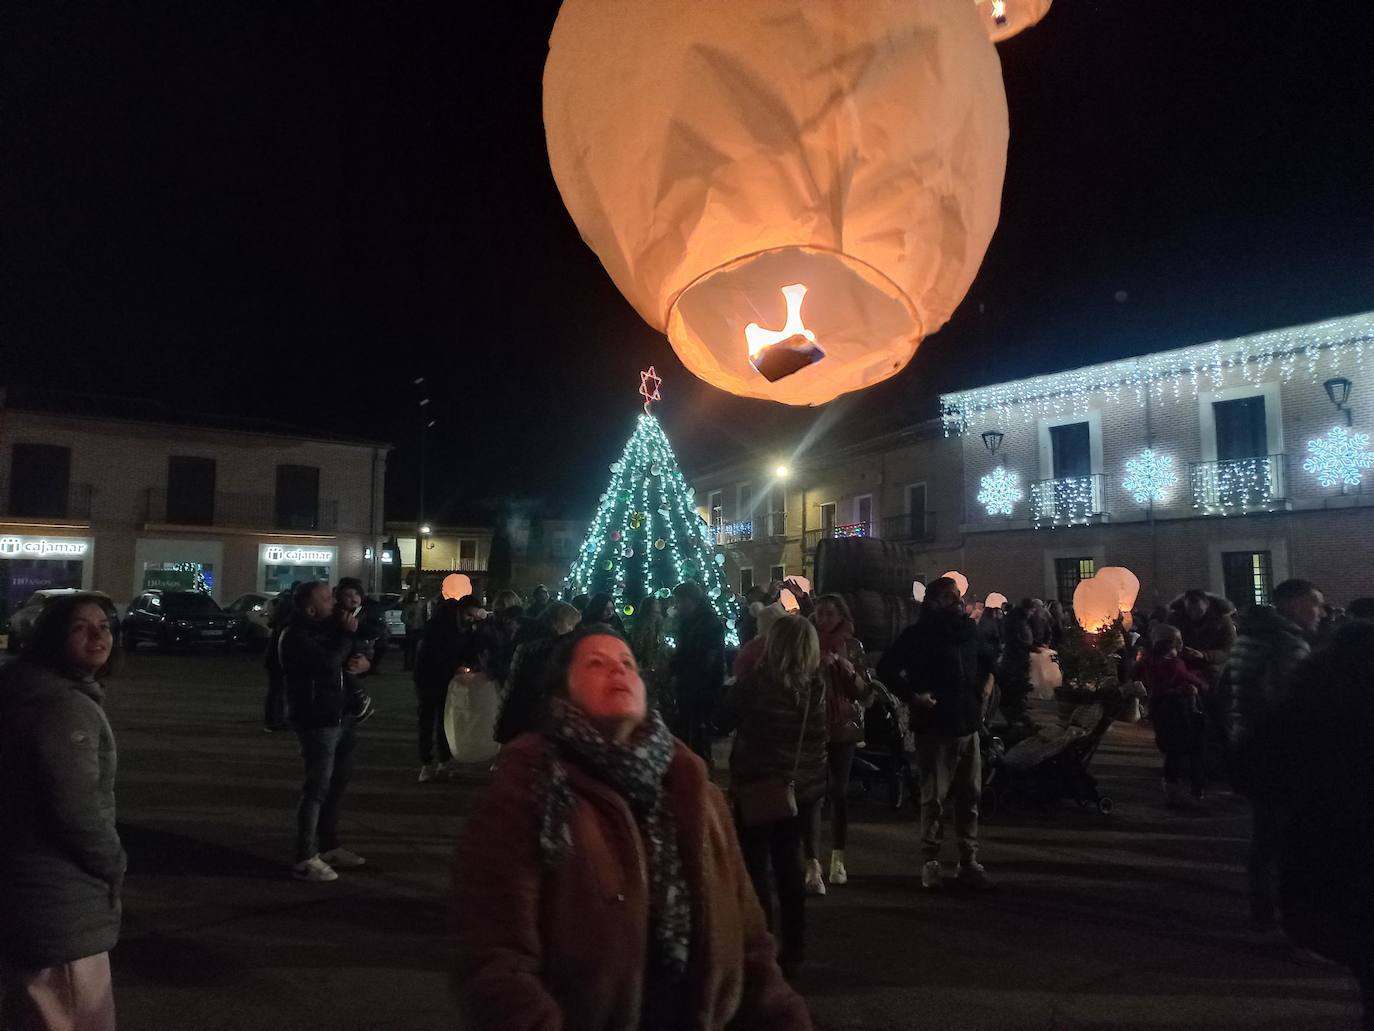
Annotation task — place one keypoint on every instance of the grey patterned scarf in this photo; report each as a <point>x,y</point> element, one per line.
<point>636,770</point>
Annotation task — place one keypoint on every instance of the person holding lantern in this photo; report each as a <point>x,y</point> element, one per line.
<point>599,882</point>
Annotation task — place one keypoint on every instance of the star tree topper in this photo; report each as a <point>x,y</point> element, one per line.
<point>1338,457</point>
<point>648,392</point>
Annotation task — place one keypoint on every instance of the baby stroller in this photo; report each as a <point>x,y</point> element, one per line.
<point>882,756</point>
<point>1053,765</point>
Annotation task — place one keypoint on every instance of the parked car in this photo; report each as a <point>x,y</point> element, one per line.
<point>23,618</point>
<point>394,615</point>
<point>172,618</point>
<point>252,614</point>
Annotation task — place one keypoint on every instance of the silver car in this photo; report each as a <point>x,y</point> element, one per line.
<point>22,620</point>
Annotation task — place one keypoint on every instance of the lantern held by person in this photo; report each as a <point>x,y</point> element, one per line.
<point>1095,604</point>
<point>455,586</point>
<point>1126,583</point>
<point>796,193</point>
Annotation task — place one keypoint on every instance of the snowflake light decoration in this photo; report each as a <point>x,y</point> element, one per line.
<point>999,491</point>
<point>1338,457</point>
<point>1150,476</point>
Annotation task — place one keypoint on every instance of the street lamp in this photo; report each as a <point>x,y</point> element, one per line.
<point>1338,390</point>
<point>782,472</point>
<point>425,528</point>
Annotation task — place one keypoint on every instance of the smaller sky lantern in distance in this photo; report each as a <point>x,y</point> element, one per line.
<point>918,590</point>
<point>995,600</point>
<point>796,193</point>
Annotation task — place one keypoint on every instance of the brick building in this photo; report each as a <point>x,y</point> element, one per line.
<point>121,503</point>
<point>1185,466</point>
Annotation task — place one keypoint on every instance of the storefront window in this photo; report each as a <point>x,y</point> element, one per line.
<point>282,565</point>
<point>29,564</point>
<point>178,576</point>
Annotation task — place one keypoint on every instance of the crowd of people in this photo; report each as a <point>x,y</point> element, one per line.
<point>602,820</point>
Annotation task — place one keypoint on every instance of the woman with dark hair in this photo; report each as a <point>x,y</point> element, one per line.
<point>697,666</point>
<point>61,862</point>
<point>779,709</point>
<point>1313,754</point>
<point>600,609</point>
<point>526,700</point>
<point>599,883</point>
<point>649,643</point>
<point>847,689</point>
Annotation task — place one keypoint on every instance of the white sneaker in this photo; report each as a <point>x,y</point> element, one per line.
<point>815,883</point>
<point>314,869</point>
<point>343,859</point>
<point>428,772</point>
<point>972,875</point>
<point>931,874</point>
<point>838,874</point>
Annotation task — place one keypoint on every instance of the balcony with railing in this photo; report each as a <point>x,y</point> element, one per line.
<point>48,505</point>
<point>911,526</point>
<point>734,533</point>
<point>1240,484</point>
<point>1068,500</point>
<point>241,511</point>
<point>841,530</point>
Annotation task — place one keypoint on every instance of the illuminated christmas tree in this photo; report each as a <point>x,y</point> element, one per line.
<point>647,536</point>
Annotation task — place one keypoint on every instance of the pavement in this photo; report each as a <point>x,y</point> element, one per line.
<point>1132,920</point>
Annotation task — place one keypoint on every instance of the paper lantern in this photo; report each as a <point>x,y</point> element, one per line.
<point>995,600</point>
<point>960,579</point>
<point>1095,604</point>
<point>795,193</point>
<point>455,586</point>
<point>1126,584</point>
<point>918,590</point>
<point>789,600</point>
<point>1003,19</point>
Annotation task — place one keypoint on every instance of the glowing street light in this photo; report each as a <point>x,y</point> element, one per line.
<point>782,472</point>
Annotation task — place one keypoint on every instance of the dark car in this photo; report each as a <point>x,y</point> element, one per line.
<point>173,618</point>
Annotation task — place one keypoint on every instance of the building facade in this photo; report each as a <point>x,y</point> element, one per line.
<point>1230,466</point>
<point>123,506</point>
<point>770,512</point>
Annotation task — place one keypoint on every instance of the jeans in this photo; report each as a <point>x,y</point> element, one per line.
<point>432,702</point>
<point>328,755</point>
<point>950,767</point>
<point>778,846</point>
<point>840,756</point>
<point>274,705</point>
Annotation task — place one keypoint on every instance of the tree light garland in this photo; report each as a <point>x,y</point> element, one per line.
<point>648,501</point>
<point>999,491</point>
<point>1150,477</point>
<point>1310,350</point>
<point>1339,457</point>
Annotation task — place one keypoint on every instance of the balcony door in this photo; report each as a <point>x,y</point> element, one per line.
<point>828,519</point>
<point>1071,450</point>
<point>298,497</point>
<point>863,512</point>
<point>190,491</point>
<point>916,510</point>
<point>40,480</point>
<point>1241,428</point>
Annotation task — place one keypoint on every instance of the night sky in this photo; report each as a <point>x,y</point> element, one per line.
<point>290,211</point>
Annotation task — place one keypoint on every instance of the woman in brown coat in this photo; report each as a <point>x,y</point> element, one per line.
<point>599,885</point>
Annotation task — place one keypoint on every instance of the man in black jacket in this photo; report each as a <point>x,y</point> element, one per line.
<point>315,652</point>
<point>697,667</point>
<point>937,667</point>
<point>1261,668</point>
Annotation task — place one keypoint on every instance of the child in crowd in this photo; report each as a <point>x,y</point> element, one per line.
<point>1176,714</point>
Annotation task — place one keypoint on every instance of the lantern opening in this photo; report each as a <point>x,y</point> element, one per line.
<point>779,353</point>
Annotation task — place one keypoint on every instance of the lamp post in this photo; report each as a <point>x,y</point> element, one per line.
<point>425,424</point>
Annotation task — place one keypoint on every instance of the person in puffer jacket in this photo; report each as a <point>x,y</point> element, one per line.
<point>61,863</point>
<point>1261,669</point>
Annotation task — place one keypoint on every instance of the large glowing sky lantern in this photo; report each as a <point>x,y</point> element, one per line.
<point>795,192</point>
